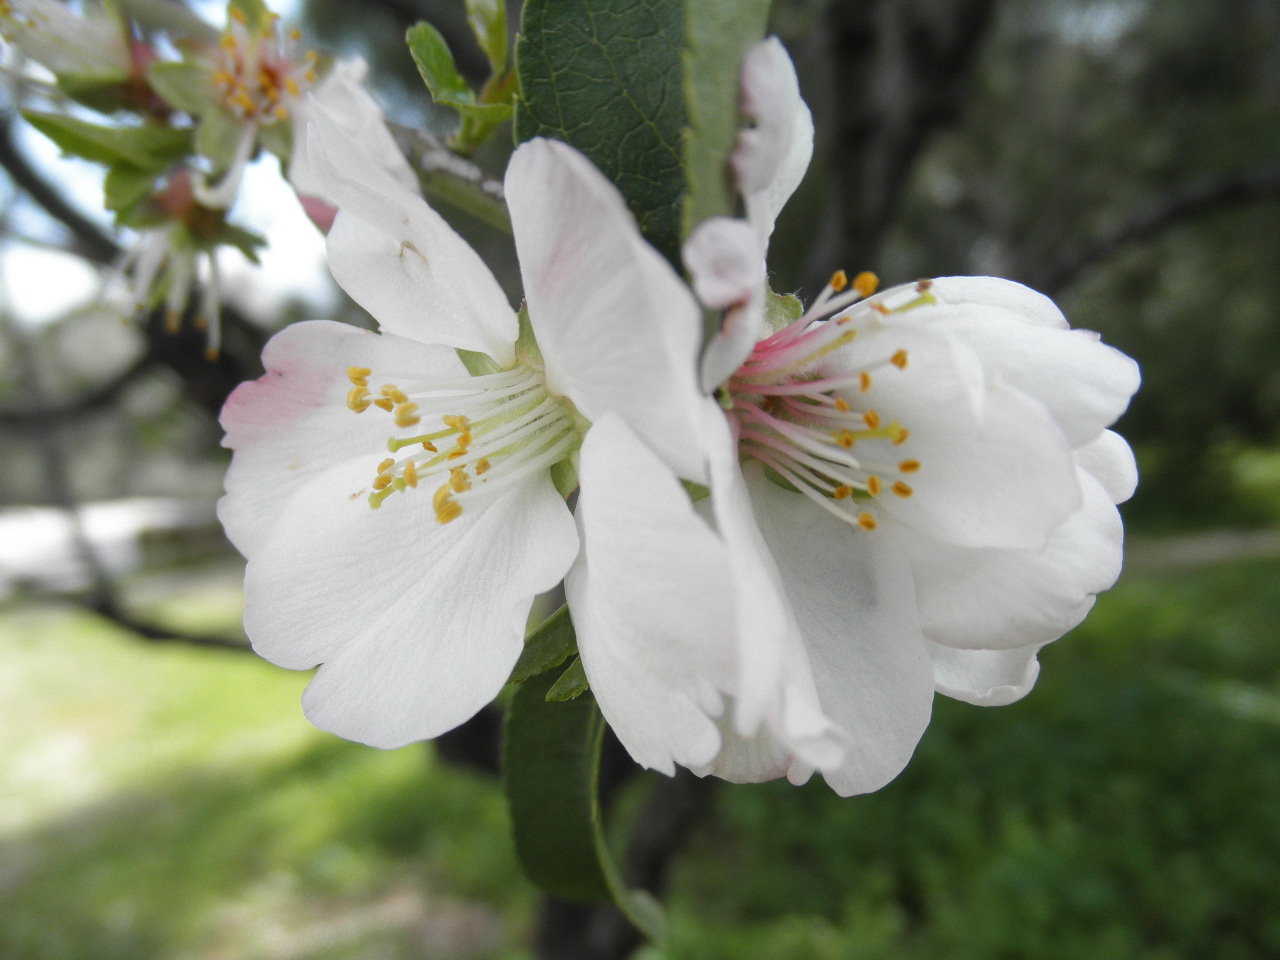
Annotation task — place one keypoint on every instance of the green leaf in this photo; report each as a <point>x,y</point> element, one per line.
<point>719,33</point>
<point>147,148</point>
<point>550,644</point>
<point>218,136</point>
<point>571,685</point>
<point>184,85</point>
<point>243,240</point>
<point>435,62</point>
<point>781,309</point>
<point>550,763</point>
<point>125,187</point>
<point>607,79</point>
<point>488,20</point>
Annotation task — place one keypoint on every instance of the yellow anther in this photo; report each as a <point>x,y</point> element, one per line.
<point>902,490</point>
<point>909,466</point>
<point>482,466</point>
<point>295,34</point>
<point>446,507</point>
<point>924,285</point>
<point>282,113</point>
<point>873,485</point>
<point>211,354</point>
<point>842,405</point>
<point>382,481</point>
<point>441,495</point>
<point>903,433</point>
<point>457,422</point>
<point>458,480</point>
<point>864,381</point>
<point>880,308</point>
<point>410,474</point>
<point>359,375</point>
<point>200,323</point>
<point>172,321</point>
<point>393,392</point>
<point>386,465</point>
<point>428,446</point>
<point>358,399</point>
<point>291,85</point>
<point>385,403</point>
<point>866,283</point>
<point>228,42</point>
<point>839,280</point>
<point>845,438</point>
<point>899,359</point>
<point>407,415</point>
<point>871,419</point>
<point>310,77</point>
<point>221,78</point>
<point>843,492</point>
<point>866,521</point>
<point>238,15</point>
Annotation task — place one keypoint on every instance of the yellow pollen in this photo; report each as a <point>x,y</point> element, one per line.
<point>866,283</point>
<point>428,446</point>
<point>880,308</point>
<point>482,466</point>
<point>358,399</point>
<point>291,85</point>
<point>386,465</point>
<point>899,359</point>
<point>458,480</point>
<point>457,422</point>
<point>295,34</point>
<point>238,15</point>
<point>385,403</point>
<point>909,466</point>
<point>282,113</point>
<point>407,415</point>
<point>924,285</point>
<point>843,492</point>
<point>866,521</point>
<point>359,375</point>
<point>873,485</point>
<point>872,419</point>
<point>446,507</point>
<point>228,42</point>
<point>903,433</point>
<point>841,405</point>
<point>839,280</point>
<point>845,438</point>
<point>410,474</point>
<point>902,490</point>
<point>864,381</point>
<point>382,481</point>
<point>395,393</point>
<point>310,77</point>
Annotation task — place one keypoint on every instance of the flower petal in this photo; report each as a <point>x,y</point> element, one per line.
<point>417,623</point>
<point>725,262</point>
<point>1110,461</point>
<point>771,159</point>
<point>618,329</point>
<point>652,603</point>
<point>293,422</point>
<point>1001,599</point>
<point>988,678</point>
<point>401,261</point>
<point>852,597</point>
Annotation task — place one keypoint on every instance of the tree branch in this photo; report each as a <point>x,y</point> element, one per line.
<point>108,608</point>
<point>41,418</point>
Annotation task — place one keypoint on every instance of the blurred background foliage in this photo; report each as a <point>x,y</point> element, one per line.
<point>163,800</point>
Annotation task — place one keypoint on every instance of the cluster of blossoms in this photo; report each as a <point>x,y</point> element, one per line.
<point>174,176</point>
<point>783,542</point>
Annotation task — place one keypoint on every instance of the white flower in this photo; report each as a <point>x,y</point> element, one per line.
<point>416,610</point>
<point>910,491</point>
<point>53,35</point>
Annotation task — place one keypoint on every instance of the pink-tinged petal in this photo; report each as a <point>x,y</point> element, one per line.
<point>995,469</point>
<point>292,423</point>
<point>771,158</point>
<point>618,329</point>
<point>401,261</point>
<point>852,595</point>
<point>342,100</point>
<point>417,623</point>
<point>1110,461</point>
<point>1002,599</point>
<point>726,264</point>
<point>1085,384</point>
<point>987,678</point>
<point>652,603</point>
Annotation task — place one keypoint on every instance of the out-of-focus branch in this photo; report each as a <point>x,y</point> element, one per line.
<point>88,239</point>
<point>1197,200</point>
<point>43,417</point>
<point>108,607</point>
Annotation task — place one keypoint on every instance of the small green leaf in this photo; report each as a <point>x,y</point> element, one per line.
<point>607,79</point>
<point>488,20</point>
<point>572,684</point>
<point>550,644</point>
<point>218,136</point>
<point>125,187</point>
<point>719,33</point>
<point>243,240</point>
<point>185,85</point>
<point>147,148</point>
<point>781,309</point>
<point>435,62</point>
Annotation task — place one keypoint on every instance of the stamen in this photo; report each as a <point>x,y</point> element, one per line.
<point>902,490</point>
<point>839,280</point>
<point>866,283</point>
<point>909,466</point>
<point>873,485</point>
<point>866,521</point>
<point>899,359</point>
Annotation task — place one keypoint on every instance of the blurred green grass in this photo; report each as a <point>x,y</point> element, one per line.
<point>165,802</point>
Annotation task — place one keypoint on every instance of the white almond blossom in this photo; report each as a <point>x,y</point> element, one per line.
<point>65,43</point>
<point>416,610</point>
<point>910,491</point>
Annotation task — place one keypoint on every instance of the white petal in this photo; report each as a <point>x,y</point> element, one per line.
<point>618,329</point>
<point>726,264</point>
<point>293,422</point>
<point>1003,296</point>
<point>1110,461</point>
<point>853,598</point>
<point>771,159</point>
<point>401,261</point>
<point>1011,598</point>
<point>341,99</point>
<point>988,678</point>
<point>417,623</point>
<point>652,603</point>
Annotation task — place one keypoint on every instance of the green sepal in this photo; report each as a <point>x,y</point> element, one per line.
<point>478,364</point>
<point>246,241</point>
<point>781,309</point>
<point>103,92</point>
<point>564,475</point>
<point>147,148</point>
<point>435,62</point>
<point>488,21</point>
<point>277,139</point>
<point>125,187</point>
<point>550,766</point>
<point>185,85</point>
<point>572,684</point>
<point>218,136</point>
<point>550,644</point>
<point>257,14</point>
